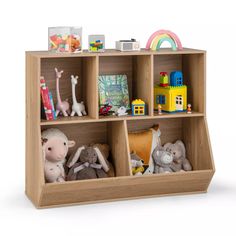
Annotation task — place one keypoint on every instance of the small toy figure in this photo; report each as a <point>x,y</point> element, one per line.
<point>121,111</point>
<point>159,111</point>
<point>77,107</point>
<point>189,109</point>
<point>62,106</point>
<point>136,164</point>
<point>138,107</point>
<point>104,110</point>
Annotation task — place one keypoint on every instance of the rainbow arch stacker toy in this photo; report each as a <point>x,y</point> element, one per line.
<point>159,37</point>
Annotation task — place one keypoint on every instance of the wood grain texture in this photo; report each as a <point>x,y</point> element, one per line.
<point>124,188</point>
<point>142,69</point>
<point>34,163</point>
<point>113,52</point>
<point>143,81</point>
<point>194,71</point>
<point>117,141</point>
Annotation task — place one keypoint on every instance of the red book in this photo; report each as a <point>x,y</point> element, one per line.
<point>46,100</point>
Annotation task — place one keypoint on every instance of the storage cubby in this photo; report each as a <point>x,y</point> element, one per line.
<point>138,69</point>
<point>142,69</point>
<point>111,133</point>
<point>191,130</point>
<point>85,68</point>
<point>193,68</point>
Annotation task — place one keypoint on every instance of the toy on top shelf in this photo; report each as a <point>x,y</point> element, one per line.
<point>173,97</point>
<point>128,45</point>
<point>62,106</point>
<point>96,43</point>
<point>121,111</point>
<point>104,110</point>
<point>138,107</point>
<point>189,109</point>
<point>77,107</point>
<point>159,37</point>
<point>65,39</point>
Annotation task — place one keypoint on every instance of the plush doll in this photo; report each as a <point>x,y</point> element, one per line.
<point>163,160</point>
<point>178,151</point>
<point>136,164</point>
<point>55,146</point>
<point>90,162</point>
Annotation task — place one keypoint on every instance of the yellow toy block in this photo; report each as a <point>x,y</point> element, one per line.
<point>138,107</point>
<point>171,98</point>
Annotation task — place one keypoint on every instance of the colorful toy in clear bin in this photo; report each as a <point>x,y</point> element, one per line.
<point>96,43</point>
<point>65,39</point>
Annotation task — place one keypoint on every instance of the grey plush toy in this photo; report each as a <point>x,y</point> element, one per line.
<point>90,162</point>
<point>163,160</point>
<point>178,151</point>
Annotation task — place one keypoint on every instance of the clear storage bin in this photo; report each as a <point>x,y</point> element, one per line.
<point>65,39</point>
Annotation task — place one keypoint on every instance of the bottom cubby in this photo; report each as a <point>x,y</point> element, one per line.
<point>193,132</point>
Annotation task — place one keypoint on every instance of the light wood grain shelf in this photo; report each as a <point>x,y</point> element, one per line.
<point>142,69</point>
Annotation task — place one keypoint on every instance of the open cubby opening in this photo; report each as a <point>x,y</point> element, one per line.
<point>137,68</point>
<point>85,90</point>
<point>193,69</point>
<point>111,133</point>
<point>192,131</point>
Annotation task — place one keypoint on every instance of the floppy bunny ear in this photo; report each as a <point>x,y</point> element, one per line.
<point>74,158</point>
<point>181,145</point>
<point>102,159</point>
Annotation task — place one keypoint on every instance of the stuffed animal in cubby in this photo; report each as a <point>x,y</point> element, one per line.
<point>136,164</point>
<point>90,162</point>
<point>55,147</point>
<point>163,160</point>
<point>178,151</point>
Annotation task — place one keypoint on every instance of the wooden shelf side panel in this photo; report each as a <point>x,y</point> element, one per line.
<point>194,69</point>
<point>117,139</point>
<point>34,162</point>
<point>90,89</point>
<point>143,82</point>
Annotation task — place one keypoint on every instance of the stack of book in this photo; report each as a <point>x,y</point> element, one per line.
<point>47,101</point>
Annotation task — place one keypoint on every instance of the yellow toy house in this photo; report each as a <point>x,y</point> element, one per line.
<point>138,107</point>
<point>172,97</point>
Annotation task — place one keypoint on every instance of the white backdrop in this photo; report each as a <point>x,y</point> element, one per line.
<point>209,25</point>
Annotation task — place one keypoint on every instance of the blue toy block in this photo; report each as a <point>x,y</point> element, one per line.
<point>176,78</point>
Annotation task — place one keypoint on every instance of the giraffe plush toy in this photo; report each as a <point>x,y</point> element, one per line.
<point>77,107</point>
<point>62,106</point>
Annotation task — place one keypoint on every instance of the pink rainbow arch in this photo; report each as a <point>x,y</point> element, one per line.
<point>168,32</point>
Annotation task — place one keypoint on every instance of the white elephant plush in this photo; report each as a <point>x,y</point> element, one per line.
<point>178,152</point>
<point>163,160</point>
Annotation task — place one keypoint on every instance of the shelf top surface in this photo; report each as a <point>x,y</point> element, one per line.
<point>114,52</point>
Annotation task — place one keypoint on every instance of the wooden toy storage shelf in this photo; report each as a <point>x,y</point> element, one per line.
<point>142,69</point>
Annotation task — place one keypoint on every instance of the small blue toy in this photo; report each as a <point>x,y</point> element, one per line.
<point>176,78</point>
